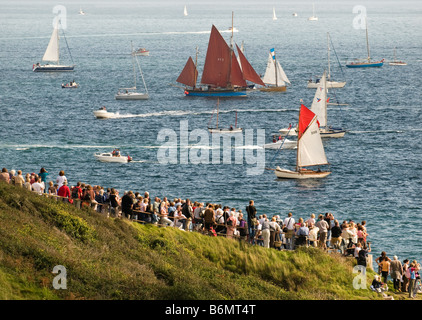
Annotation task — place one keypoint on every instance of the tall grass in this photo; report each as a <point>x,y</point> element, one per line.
<point>108,258</point>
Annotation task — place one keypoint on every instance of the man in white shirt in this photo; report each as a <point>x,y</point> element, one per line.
<point>38,186</point>
<point>289,223</point>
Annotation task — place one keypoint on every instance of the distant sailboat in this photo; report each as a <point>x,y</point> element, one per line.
<point>310,150</point>
<point>81,12</point>
<point>275,78</point>
<point>274,16</point>
<point>396,62</point>
<point>319,107</point>
<point>330,83</point>
<point>131,93</point>
<point>294,14</point>
<point>222,75</point>
<point>185,11</point>
<point>52,54</point>
<point>366,63</point>
<point>314,17</point>
<point>230,130</point>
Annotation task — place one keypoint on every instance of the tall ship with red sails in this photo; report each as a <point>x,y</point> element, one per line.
<point>222,76</point>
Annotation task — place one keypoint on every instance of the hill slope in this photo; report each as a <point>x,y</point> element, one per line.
<point>109,258</point>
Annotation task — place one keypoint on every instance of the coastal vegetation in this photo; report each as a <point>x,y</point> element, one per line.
<point>108,258</point>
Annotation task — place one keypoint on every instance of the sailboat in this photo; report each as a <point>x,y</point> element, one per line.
<point>52,54</point>
<point>131,93</point>
<point>81,12</point>
<point>185,11</point>
<point>319,107</point>
<point>366,63</point>
<point>396,62</point>
<point>310,150</point>
<point>222,75</point>
<point>330,83</point>
<point>274,16</point>
<point>231,130</point>
<point>275,78</point>
<point>314,17</point>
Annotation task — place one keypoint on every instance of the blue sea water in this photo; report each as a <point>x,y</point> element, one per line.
<point>376,167</point>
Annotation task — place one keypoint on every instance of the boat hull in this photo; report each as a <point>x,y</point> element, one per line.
<point>332,133</point>
<point>70,87</point>
<point>52,68</point>
<point>225,131</point>
<point>274,89</point>
<point>102,114</point>
<point>397,63</point>
<point>288,144</point>
<point>108,158</point>
<point>303,174</point>
<point>365,65</point>
<point>330,84</point>
<point>132,96</point>
<point>241,92</point>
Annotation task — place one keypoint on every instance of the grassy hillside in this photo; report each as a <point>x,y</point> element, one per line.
<point>109,258</point>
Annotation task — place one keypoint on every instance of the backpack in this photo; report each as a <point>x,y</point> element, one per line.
<point>75,193</point>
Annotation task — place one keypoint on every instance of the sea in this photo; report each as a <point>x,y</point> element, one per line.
<point>376,167</point>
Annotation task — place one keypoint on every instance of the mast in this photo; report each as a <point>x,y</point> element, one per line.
<point>231,56</point>
<point>298,138</point>
<point>133,65</point>
<point>275,69</point>
<point>367,41</point>
<point>218,109</point>
<point>328,53</point>
<point>195,72</point>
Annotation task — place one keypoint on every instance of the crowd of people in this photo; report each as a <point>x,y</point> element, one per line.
<point>325,231</point>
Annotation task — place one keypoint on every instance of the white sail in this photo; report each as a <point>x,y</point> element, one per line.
<point>185,11</point>
<point>319,104</point>
<point>310,149</point>
<point>52,51</point>
<point>274,16</point>
<point>274,74</point>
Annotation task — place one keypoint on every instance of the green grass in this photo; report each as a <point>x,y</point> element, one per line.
<point>109,258</point>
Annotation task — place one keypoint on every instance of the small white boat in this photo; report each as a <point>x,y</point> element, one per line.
<point>102,113</point>
<point>286,144</point>
<point>396,62</point>
<point>109,157</point>
<point>70,85</point>
<point>274,15</point>
<point>230,29</point>
<point>294,14</point>
<point>141,52</point>
<point>185,11</point>
<point>81,12</point>
<point>330,84</point>
<point>310,150</point>
<point>217,130</point>
<point>314,17</point>
<point>131,93</point>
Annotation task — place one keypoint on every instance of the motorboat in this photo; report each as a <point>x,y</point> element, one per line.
<point>109,157</point>
<point>141,52</point>
<point>283,143</point>
<point>70,85</point>
<point>102,113</point>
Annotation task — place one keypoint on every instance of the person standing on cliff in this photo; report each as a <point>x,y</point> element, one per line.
<point>251,211</point>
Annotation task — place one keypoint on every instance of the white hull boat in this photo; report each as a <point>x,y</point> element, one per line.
<point>303,174</point>
<point>396,62</point>
<point>131,93</point>
<point>52,54</point>
<point>286,144</point>
<point>104,114</point>
<point>108,157</point>
<point>131,96</point>
<point>310,150</point>
<point>225,131</point>
<point>314,17</point>
<point>330,84</point>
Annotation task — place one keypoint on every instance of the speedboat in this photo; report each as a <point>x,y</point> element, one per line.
<point>109,157</point>
<point>287,144</point>
<point>141,52</point>
<point>70,85</point>
<point>102,113</point>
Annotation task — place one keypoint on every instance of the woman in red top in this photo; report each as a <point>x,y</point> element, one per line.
<point>64,192</point>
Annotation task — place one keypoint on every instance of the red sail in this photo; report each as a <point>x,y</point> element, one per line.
<point>217,62</point>
<point>248,72</point>
<point>189,74</point>
<point>305,118</point>
<point>236,76</point>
